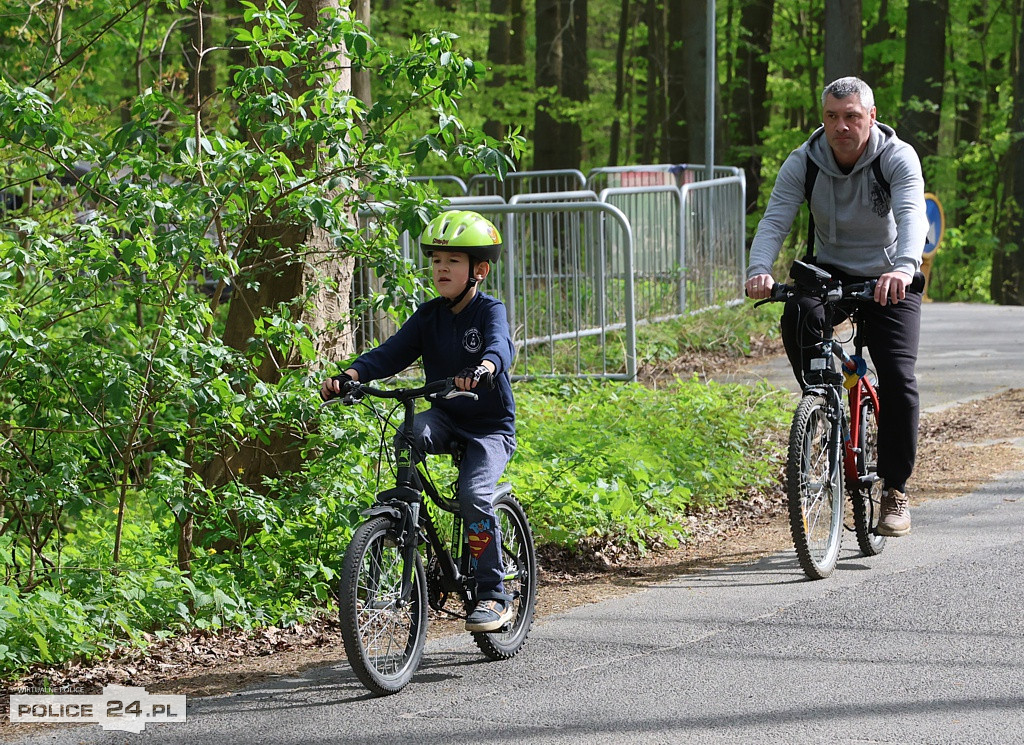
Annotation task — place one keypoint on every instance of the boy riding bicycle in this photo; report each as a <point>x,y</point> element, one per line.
<point>464,334</point>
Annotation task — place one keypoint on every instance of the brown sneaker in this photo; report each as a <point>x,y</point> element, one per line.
<point>895,519</point>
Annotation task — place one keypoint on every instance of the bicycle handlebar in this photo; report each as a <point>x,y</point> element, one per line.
<point>831,293</point>
<point>444,388</point>
<point>812,281</point>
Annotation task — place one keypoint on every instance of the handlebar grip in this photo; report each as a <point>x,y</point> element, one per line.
<point>917,284</point>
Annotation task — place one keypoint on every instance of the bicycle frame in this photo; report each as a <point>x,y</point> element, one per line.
<point>834,408</point>
<point>848,419</point>
<point>404,503</point>
<point>856,395</point>
<point>403,561</point>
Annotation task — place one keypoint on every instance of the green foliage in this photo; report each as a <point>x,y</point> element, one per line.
<point>627,462</point>
<point>122,406</point>
<point>728,330</point>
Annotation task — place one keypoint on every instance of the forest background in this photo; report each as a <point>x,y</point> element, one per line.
<point>163,463</point>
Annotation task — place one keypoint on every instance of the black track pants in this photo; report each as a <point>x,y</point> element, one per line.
<point>891,334</point>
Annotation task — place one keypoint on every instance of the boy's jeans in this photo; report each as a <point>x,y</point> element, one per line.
<point>484,462</point>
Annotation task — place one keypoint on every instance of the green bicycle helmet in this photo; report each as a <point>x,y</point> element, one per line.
<point>464,231</point>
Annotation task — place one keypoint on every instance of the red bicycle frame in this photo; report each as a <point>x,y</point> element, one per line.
<point>853,445</point>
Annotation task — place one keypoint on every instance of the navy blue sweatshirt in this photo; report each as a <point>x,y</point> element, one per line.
<point>449,343</point>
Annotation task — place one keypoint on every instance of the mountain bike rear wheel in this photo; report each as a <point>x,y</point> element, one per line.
<point>519,558</point>
<point>867,506</point>
<point>815,487</point>
<point>384,638</point>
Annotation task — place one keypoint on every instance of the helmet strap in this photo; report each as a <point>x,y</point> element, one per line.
<point>459,298</point>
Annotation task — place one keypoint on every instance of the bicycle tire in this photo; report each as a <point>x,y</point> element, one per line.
<point>814,475</point>
<point>519,558</point>
<point>384,643</point>
<point>867,497</point>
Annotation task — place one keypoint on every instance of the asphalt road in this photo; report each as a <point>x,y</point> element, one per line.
<point>967,351</point>
<point>923,644</point>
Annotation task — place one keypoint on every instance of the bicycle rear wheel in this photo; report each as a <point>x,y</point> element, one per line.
<point>815,488</point>
<point>520,561</point>
<point>384,638</point>
<point>868,495</point>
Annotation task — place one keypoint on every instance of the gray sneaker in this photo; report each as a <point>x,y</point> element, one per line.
<point>895,520</point>
<point>489,615</point>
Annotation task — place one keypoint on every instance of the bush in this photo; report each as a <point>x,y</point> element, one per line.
<point>627,462</point>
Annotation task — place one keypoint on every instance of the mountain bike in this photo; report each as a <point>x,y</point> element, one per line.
<point>834,435</point>
<point>411,554</point>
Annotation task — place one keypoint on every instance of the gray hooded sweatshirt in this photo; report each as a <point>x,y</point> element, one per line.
<point>858,228</point>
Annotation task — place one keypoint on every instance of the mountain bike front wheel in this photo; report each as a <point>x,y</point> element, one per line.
<point>519,558</point>
<point>867,499</point>
<point>814,474</point>
<point>384,636</point>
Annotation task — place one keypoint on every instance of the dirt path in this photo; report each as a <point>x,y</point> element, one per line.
<point>960,448</point>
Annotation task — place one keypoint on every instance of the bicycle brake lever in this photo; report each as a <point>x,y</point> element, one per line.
<point>454,393</point>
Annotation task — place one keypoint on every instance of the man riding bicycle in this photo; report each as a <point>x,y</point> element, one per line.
<point>463,334</point>
<point>869,222</point>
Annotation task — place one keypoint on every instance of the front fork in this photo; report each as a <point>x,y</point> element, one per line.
<point>402,506</point>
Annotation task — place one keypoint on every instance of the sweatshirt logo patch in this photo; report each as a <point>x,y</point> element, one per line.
<point>881,202</point>
<point>472,341</point>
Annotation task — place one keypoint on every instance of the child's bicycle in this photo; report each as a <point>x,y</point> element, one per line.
<point>411,554</point>
<point>830,443</point>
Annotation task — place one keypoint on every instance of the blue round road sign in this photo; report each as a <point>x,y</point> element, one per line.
<point>936,222</point>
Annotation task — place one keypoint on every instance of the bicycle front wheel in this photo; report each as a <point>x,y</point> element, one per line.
<point>815,487</point>
<point>519,558</point>
<point>867,500</point>
<point>384,636</point>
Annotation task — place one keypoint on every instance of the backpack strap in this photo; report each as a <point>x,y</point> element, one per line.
<point>876,166</point>
<point>809,178</point>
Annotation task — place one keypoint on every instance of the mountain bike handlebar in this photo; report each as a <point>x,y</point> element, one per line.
<point>813,281</point>
<point>444,388</point>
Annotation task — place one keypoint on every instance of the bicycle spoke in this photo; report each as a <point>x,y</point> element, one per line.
<point>384,638</point>
<point>815,488</point>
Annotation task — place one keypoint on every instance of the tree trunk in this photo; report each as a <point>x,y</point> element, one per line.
<point>678,134</point>
<point>653,145</point>
<point>574,78</point>
<point>620,84</point>
<point>923,75</point>
<point>498,57</point>
<point>279,271</point>
<point>750,111</point>
<point>844,48</point>
<point>548,75</point>
<point>361,78</point>
<point>694,61</point>
<point>1008,259</point>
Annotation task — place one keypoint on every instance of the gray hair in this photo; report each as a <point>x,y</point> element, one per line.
<point>850,86</point>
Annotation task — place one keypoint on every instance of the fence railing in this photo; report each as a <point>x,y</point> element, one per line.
<point>582,269</point>
<point>566,279</point>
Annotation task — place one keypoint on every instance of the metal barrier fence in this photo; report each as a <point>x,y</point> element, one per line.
<point>714,234</point>
<point>567,282</point>
<point>576,286</point>
<point>526,182</point>
<point>668,174</point>
<point>445,185</point>
<point>566,279</point>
